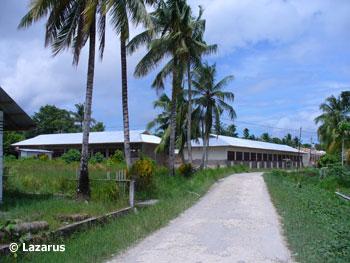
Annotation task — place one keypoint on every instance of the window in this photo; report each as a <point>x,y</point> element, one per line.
<point>270,157</point>
<point>230,156</point>
<point>246,157</point>
<point>253,156</point>
<point>279,157</point>
<point>259,156</point>
<point>134,152</point>
<point>275,157</point>
<point>239,156</point>
<point>58,153</point>
<point>265,156</point>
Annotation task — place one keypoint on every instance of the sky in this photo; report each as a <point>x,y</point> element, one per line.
<point>287,57</point>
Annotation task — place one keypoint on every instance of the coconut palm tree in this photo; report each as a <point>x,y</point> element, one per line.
<point>210,96</point>
<point>121,12</point>
<point>166,39</point>
<point>78,115</point>
<point>334,112</point>
<point>70,24</point>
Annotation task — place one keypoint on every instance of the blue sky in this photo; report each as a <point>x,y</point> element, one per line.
<point>287,57</point>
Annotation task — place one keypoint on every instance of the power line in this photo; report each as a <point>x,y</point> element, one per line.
<point>267,126</point>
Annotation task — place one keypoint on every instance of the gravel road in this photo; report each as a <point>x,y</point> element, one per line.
<point>234,222</point>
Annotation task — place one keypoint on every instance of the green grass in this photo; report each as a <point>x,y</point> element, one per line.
<point>99,243</point>
<point>315,220</point>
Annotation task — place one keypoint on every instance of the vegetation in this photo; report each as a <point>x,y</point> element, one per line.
<point>186,170</point>
<point>98,244</point>
<point>71,156</point>
<point>315,220</point>
<point>335,111</point>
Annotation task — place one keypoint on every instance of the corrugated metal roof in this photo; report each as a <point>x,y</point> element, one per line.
<point>136,136</point>
<point>220,140</point>
<point>14,117</point>
<point>35,150</point>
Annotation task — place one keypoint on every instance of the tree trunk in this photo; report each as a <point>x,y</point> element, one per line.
<point>173,121</point>
<point>125,106</point>
<point>206,152</point>
<point>189,117</point>
<point>203,148</point>
<point>83,191</point>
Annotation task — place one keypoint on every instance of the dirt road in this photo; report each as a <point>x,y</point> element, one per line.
<point>234,222</point>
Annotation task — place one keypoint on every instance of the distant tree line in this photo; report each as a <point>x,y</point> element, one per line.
<point>50,120</point>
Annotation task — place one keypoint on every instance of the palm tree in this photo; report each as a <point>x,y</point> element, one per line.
<point>210,96</point>
<point>165,39</point>
<point>78,115</point>
<point>70,24</point>
<point>334,112</point>
<point>121,12</point>
<point>162,123</point>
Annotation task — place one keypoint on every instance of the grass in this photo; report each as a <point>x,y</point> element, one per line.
<point>98,244</point>
<point>315,220</point>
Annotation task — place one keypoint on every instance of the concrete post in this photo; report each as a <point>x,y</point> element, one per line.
<point>132,193</point>
<point>1,150</point>
<point>258,165</point>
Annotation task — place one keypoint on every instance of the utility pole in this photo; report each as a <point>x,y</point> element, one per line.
<point>298,165</point>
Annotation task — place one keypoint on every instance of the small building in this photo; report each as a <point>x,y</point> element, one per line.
<point>311,156</point>
<point>33,153</point>
<point>227,151</point>
<point>106,142</point>
<point>12,118</point>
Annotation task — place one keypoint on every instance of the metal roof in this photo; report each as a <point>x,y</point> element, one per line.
<point>14,117</point>
<point>136,136</point>
<point>35,150</point>
<point>220,140</point>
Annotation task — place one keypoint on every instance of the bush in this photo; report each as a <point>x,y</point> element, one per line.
<point>116,158</point>
<point>186,170</point>
<point>98,157</point>
<point>9,158</point>
<point>71,156</point>
<point>43,157</point>
<point>142,172</point>
<point>328,160</point>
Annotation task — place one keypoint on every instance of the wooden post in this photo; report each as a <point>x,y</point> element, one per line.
<point>132,193</point>
<point>108,175</point>
<point>124,178</point>
<point>1,151</point>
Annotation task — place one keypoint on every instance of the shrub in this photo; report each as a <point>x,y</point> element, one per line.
<point>328,160</point>
<point>71,156</point>
<point>98,157</point>
<point>142,171</point>
<point>9,158</point>
<point>117,157</point>
<point>44,157</point>
<point>186,170</point>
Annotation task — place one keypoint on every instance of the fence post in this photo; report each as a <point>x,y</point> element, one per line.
<point>132,193</point>
<point>108,175</point>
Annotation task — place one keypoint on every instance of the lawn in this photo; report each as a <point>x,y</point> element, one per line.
<point>95,245</point>
<point>315,220</point>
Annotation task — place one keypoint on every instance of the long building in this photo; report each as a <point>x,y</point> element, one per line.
<point>106,143</point>
<point>227,151</point>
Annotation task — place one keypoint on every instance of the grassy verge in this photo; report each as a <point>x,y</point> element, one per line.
<point>100,243</point>
<point>315,220</point>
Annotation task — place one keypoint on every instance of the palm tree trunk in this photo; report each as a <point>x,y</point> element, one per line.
<point>203,148</point>
<point>125,106</point>
<point>83,191</point>
<point>173,121</point>
<point>189,123</point>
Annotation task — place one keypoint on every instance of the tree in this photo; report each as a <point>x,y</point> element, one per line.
<point>51,119</point>
<point>210,97</point>
<point>229,130</point>
<point>98,127</point>
<point>246,133</point>
<point>265,137</point>
<point>121,12</point>
<point>165,39</point>
<point>11,137</point>
<point>334,112</point>
<point>71,24</point>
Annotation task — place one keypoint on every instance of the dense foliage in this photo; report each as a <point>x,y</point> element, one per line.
<point>71,156</point>
<point>186,170</point>
<point>329,160</point>
<point>315,220</point>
